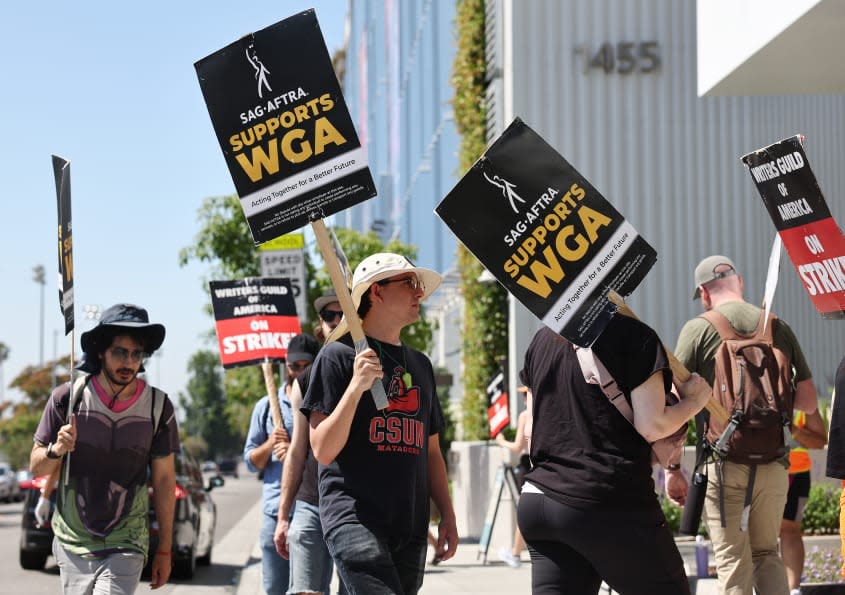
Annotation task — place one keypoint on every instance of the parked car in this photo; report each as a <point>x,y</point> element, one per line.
<point>210,467</point>
<point>228,467</point>
<point>194,523</point>
<point>36,542</point>
<point>9,489</point>
<point>24,481</point>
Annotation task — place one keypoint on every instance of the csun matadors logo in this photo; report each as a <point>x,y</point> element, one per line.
<point>261,71</point>
<point>507,189</point>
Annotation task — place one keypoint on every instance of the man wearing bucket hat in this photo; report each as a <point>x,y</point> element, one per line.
<point>378,469</point>
<point>103,432</point>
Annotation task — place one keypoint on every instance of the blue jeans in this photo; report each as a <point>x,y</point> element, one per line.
<point>369,565</point>
<point>275,570</point>
<point>310,561</point>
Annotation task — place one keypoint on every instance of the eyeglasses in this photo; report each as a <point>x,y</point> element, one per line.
<point>330,315</point>
<point>413,282</point>
<point>297,366</point>
<point>123,354</point>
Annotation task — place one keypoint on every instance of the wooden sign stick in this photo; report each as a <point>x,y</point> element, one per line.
<point>345,299</point>
<point>270,384</point>
<point>679,371</point>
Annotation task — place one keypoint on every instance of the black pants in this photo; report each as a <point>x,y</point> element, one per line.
<point>572,550</point>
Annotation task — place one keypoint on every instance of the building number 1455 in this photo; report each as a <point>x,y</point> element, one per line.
<point>623,58</point>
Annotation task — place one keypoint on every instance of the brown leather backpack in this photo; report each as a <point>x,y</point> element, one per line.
<point>753,382</point>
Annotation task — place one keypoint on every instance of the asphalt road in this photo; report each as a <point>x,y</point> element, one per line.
<point>233,499</point>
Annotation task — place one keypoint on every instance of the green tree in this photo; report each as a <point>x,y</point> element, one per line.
<point>224,243</point>
<point>485,304</point>
<point>17,429</point>
<point>205,405</point>
<point>357,246</point>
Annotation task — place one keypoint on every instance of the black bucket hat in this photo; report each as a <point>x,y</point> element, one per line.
<point>129,318</point>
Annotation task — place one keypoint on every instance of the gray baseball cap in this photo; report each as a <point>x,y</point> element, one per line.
<point>705,272</point>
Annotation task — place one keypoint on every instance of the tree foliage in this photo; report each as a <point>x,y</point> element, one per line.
<point>224,243</point>
<point>205,407</point>
<point>484,334</point>
<point>18,426</point>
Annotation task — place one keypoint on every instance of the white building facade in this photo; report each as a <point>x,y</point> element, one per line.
<point>614,87</point>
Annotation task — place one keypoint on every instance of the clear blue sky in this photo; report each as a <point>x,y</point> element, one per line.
<point>111,87</point>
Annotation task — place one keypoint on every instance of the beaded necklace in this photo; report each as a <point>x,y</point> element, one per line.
<point>406,376</point>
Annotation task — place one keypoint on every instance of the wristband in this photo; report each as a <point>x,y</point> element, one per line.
<point>673,467</point>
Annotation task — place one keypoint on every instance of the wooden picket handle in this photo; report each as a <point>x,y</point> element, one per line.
<point>350,313</point>
<point>679,371</point>
<point>270,384</point>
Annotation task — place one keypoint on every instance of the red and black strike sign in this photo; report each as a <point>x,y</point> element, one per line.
<point>795,202</point>
<point>255,319</point>
<point>497,412</point>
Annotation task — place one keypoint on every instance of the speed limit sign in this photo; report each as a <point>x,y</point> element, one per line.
<point>285,257</point>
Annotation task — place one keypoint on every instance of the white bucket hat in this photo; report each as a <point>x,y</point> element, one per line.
<point>384,265</point>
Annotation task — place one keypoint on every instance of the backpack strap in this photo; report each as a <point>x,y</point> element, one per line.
<point>726,332</point>
<point>156,408</point>
<point>75,395</point>
<point>768,335</point>
<point>595,373</point>
<point>663,449</point>
<point>721,323</point>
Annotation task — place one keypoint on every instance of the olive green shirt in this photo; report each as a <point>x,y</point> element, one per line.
<point>699,340</point>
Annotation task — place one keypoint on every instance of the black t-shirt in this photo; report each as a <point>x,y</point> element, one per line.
<point>380,477</point>
<point>307,491</point>
<point>836,440</point>
<point>584,452</point>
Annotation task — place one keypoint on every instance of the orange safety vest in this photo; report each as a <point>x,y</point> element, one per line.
<point>799,457</point>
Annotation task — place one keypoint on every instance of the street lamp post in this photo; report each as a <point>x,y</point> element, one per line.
<point>38,277</point>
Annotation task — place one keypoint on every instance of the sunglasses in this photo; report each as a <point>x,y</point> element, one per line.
<point>124,354</point>
<point>297,366</point>
<point>413,282</point>
<point>330,315</point>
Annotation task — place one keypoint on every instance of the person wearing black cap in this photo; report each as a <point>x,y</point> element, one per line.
<point>103,432</point>
<point>266,449</point>
<point>299,534</point>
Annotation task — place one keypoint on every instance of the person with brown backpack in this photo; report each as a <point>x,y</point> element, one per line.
<point>759,374</point>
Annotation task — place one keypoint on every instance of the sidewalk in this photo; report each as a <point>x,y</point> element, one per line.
<point>466,574</point>
<point>462,574</point>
